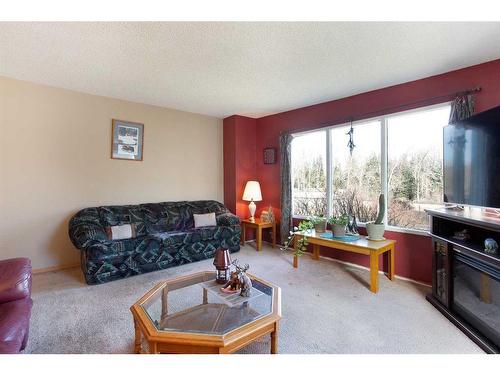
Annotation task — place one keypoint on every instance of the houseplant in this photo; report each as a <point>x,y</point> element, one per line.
<point>376,229</point>
<point>338,224</point>
<point>319,223</point>
<point>302,242</point>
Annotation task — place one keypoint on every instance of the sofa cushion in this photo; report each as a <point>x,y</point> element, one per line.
<point>14,324</point>
<point>204,220</point>
<point>121,232</point>
<point>15,279</point>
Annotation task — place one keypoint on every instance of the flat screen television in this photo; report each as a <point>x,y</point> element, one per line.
<point>471,152</point>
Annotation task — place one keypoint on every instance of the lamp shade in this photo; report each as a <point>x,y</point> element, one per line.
<point>252,191</point>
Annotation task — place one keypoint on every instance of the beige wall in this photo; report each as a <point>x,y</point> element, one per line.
<point>55,160</point>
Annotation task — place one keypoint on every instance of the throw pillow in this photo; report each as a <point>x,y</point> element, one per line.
<point>121,232</point>
<point>204,220</point>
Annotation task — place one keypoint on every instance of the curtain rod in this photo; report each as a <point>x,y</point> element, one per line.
<point>390,109</point>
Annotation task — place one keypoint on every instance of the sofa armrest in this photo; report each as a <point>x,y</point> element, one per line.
<point>86,230</point>
<point>15,279</point>
<point>87,234</point>
<point>227,219</point>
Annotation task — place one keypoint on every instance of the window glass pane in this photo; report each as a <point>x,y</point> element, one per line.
<point>415,166</point>
<point>309,174</point>
<point>356,177</point>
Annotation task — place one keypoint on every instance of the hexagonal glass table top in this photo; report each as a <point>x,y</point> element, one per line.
<point>191,304</point>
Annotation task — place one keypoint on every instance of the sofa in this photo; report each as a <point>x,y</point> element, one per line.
<point>165,237</point>
<point>15,304</point>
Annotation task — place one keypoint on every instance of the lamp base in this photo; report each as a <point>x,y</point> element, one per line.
<point>252,207</point>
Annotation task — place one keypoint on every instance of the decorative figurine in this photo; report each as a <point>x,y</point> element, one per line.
<point>352,225</point>
<point>246,283</point>
<point>233,285</point>
<point>490,246</point>
<point>267,216</point>
<point>462,235</point>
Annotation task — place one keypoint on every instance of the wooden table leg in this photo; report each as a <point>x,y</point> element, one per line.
<point>138,337</point>
<point>295,257</point>
<point>153,347</point>
<point>259,238</point>
<point>274,235</point>
<point>274,340</point>
<point>390,267</point>
<point>315,251</point>
<point>164,303</point>
<point>374,271</point>
<point>205,296</point>
<point>243,234</point>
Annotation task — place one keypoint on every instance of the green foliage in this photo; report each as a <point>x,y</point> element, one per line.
<point>314,220</point>
<point>302,242</point>
<point>339,220</point>
<point>381,209</point>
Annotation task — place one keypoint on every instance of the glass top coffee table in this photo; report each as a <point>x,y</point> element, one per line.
<point>189,314</point>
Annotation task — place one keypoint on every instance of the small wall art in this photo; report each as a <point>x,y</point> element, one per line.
<point>270,155</point>
<point>127,140</point>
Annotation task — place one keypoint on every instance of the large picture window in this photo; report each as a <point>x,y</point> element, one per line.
<point>309,192</point>
<point>356,176</point>
<point>398,154</point>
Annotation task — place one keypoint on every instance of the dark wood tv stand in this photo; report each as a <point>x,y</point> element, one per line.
<point>456,260</point>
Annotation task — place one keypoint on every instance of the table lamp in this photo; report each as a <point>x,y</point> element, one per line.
<point>252,194</point>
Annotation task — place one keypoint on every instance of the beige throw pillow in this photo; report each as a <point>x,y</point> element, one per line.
<point>121,232</point>
<point>204,220</point>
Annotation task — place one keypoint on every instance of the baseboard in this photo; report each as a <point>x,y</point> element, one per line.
<point>55,268</point>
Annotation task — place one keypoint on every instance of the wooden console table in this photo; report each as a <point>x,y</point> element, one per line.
<point>362,246</point>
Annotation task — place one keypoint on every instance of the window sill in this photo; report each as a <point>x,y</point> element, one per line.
<point>388,228</point>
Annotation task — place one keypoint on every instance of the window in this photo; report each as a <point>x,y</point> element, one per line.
<point>356,177</point>
<point>398,154</point>
<point>309,174</point>
<point>415,166</point>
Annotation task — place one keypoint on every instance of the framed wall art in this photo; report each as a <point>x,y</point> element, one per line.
<point>127,140</point>
<point>270,155</point>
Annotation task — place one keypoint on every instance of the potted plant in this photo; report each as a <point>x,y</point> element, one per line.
<point>319,223</point>
<point>302,242</point>
<point>376,229</point>
<point>338,224</point>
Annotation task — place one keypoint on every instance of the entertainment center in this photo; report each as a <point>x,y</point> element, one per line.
<point>466,278</point>
<point>465,235</point>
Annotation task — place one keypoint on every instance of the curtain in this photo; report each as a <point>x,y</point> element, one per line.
<point>286,185</point>
<point>461,108</point>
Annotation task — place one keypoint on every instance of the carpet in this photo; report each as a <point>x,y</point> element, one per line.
<point>326,307</point>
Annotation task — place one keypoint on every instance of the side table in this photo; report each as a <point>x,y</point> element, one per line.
<point>258,225</point>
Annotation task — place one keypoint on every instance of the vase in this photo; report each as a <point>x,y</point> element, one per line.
<point>320,227</point>
<point>338,230</point>
<point>375,231</point>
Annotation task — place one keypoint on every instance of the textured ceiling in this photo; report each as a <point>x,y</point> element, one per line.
<point>251,69</point>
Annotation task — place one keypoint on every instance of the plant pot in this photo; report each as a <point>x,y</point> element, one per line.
<point>375,231</point>
<point>338,230</point>
<point>320,227</point>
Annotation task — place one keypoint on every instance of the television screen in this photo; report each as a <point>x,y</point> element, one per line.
<point>471,149</point>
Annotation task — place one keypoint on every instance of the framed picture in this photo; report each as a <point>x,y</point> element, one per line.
<point>127,140</point>
<point>270,155</point>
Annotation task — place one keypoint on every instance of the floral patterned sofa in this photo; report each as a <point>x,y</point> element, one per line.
<point>165,237</point>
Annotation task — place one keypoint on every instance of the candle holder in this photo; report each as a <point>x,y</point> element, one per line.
<point>222,263</point>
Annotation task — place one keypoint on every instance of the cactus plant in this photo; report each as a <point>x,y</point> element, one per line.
<point>381,209</point>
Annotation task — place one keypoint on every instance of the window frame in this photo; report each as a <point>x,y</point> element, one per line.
<point>384,125</point>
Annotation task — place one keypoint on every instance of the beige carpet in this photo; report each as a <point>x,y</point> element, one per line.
<point>326,308</point>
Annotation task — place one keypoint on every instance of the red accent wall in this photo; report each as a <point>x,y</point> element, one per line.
<point>239,160</point>
<point>413,252</point>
